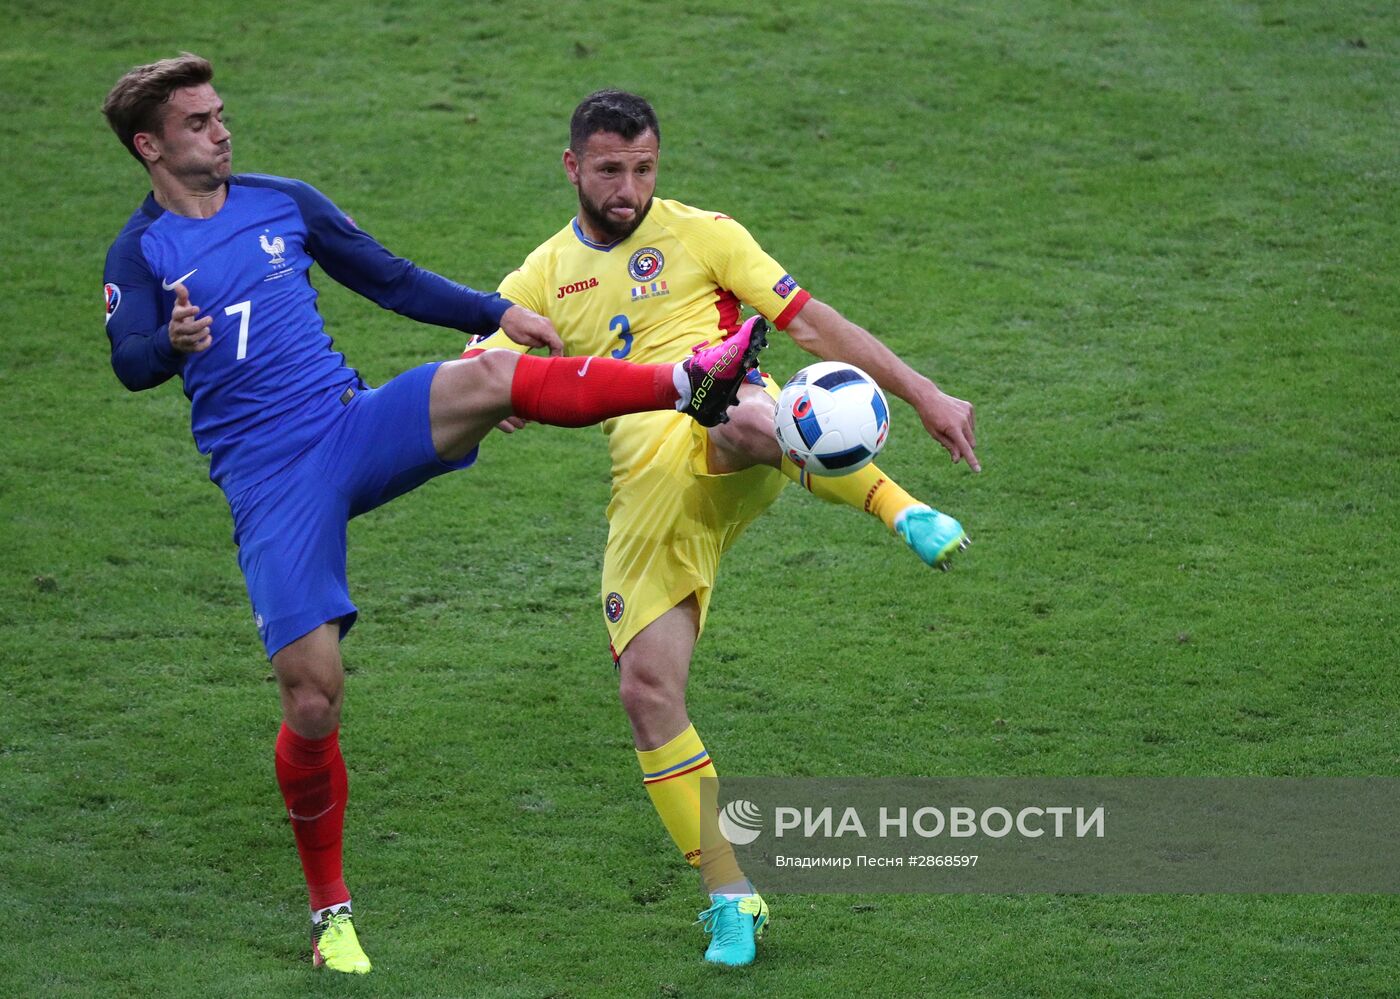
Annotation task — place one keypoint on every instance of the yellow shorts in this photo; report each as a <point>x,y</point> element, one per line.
<point>670,520</point>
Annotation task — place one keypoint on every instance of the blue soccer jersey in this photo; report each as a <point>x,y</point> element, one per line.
<point>271,382</point>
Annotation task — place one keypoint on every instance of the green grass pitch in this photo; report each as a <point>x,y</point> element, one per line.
<point>1155,244</point>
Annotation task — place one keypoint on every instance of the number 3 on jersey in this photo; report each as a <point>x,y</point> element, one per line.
<point>618,323</point>
<point>242,310</point>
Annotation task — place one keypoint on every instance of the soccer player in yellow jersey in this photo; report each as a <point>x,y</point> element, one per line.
<point>643,278</point>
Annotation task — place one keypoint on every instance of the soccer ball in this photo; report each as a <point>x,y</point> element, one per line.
<point>832,419</point>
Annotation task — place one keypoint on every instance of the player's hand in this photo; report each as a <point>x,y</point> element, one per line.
<point>188,335</point>
<point>530,329</point>
<point>511,424</point>
<point>950,421</point>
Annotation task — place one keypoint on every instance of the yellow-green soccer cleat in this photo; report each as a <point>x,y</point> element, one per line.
<point>935,537</point>
<point>734,925</point>
<point>335,946</point>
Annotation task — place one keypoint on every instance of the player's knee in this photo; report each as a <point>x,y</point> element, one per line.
<point>312,688</point>
<point>492,371</point>
<point>474,387</point>
<point>644,691</point>
<point>486,376</point>
<point>311,710</point>
<point>749,431</point>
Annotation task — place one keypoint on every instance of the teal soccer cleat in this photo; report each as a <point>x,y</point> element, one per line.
<point>734,925</point>
<point>935,537</point>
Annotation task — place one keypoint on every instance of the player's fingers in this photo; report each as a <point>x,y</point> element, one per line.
<point>946,441</point>
<point>540,333</point>
<point>182,312</point>
<point>961,449</point>
<point>551,340</point>
<point>182,294</point>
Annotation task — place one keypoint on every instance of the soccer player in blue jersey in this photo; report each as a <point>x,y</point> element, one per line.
<point>209,280</point>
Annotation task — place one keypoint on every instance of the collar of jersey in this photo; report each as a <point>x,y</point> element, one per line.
<point>151,207</point>
<point>605,247</point>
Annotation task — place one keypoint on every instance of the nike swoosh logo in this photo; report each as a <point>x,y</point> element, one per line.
<point>311,818</point>
<point>170,285</point>
<point>584,370</point>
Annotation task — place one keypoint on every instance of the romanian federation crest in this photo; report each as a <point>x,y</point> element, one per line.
<point>646,264</point>
<point>613,607</point>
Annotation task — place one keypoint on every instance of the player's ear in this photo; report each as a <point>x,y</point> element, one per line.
<point>571,165</point>
<point>147,146</point>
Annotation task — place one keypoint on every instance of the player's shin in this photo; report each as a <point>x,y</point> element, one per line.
<point>311,774</point>
<point>672,774</point>
<point>579,391</point>
<point>867,489</point>
<point>934,537</point>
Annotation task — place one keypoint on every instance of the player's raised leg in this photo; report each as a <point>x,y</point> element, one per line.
<point>311,774</point>
<point>470,396</point>
<point>653,671</point>
<point>747,439</point>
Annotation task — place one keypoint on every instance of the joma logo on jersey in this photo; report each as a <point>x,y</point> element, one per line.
<point>569,289</point>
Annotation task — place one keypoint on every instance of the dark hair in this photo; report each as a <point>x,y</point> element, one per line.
<point>134,104</point>
<point>611,111</point>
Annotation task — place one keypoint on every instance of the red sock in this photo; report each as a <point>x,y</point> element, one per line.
<point>578,391</point>
<point>311,773</point>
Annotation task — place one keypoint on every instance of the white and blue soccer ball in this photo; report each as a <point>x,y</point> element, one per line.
<point>832,419</point>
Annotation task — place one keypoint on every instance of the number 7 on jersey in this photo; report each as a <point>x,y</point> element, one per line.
<point>243,310</point>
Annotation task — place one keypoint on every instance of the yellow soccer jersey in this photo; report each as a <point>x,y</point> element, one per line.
<point>677,280</point>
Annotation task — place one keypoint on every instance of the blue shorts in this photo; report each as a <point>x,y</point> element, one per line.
<point>290,528</point>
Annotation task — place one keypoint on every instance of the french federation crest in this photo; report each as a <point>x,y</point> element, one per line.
<point>274,248</point>
<point>613,607</point>
<point>646,264</point>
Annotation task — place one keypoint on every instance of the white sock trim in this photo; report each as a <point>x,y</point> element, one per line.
<point>899,517</point>
<point>319,914</point>
<point>682,383</point>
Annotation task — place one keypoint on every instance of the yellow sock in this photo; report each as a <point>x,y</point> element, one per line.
<point>867,489</point>
<point>672,775</point>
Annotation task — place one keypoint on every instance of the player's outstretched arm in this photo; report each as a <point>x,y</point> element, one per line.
<point>821,330</point>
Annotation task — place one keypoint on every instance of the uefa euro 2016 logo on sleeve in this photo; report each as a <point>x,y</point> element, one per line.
<point>646,264</point>
<point>113,295</point>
